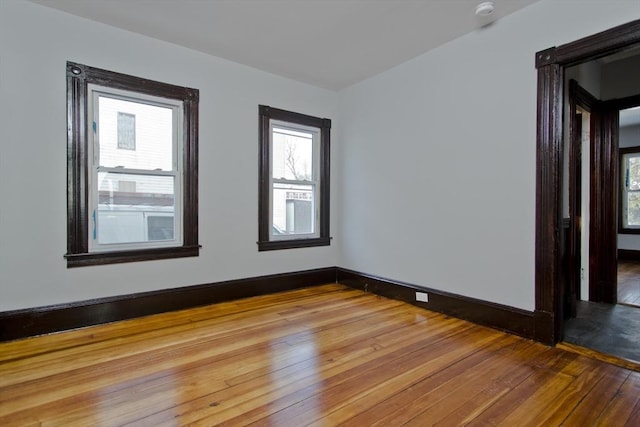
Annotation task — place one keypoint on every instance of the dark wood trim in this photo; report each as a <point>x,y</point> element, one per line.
<point>82,260</point>
<point>30,322</point>
<point>548,277</point>
<point>621,153</point>
<point>603,191</point>
<point>551,64</point>
<point>579,96</point>
<point>293,244</point>
<point>628,255</point>
<point>546,57</point>
<point>596,46</point>
<point>603,219</point>
<point>509,319</point>
<point>622,103</point>
<point>44,320</point>
<point>79,76</point>
<point>266,114</point>
<point>627,230</point>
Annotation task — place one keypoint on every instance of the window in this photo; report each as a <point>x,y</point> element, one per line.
<point>630,190</point>
<point>132,168</point>
<point>294,180</point>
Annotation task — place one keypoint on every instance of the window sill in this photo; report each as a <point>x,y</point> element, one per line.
<point>628,230</point>
<point>102,258</point>
<point>293,244</point>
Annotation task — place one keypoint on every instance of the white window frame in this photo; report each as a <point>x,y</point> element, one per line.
<point>314,183</point>
<point>94,92</point>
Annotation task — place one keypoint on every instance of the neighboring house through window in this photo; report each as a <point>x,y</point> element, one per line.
<point>294,180</point>
<point>132,168</point>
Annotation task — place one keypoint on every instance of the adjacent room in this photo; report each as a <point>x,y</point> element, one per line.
<point>311,212</point>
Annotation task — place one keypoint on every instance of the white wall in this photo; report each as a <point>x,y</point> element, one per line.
<point>439,156</point>
<point>35,43</point>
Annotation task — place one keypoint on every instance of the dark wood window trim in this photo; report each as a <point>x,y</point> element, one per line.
<point>551,64</point>
<point>78,78</point>
<point>266,114</point>
<point>622,104</point>
<point>621,228</point>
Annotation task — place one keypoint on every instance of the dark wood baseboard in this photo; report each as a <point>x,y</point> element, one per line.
<point>505,318</point>
<point>628,254</point>
<point>44,320</point>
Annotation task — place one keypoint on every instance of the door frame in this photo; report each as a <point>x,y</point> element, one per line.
<point>603,189</point>
<point>551,64</point>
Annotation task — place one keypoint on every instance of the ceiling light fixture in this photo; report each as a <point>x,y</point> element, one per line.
<point>485,8</point>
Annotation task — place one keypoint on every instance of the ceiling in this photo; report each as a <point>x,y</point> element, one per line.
<point>326,43</point>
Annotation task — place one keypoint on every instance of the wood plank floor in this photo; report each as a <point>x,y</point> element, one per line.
<point>629,282</point>
<point>321,356</point>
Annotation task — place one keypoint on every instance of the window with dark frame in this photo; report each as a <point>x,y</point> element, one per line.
<point>629,222</point>
<point>294,169</point>
<point>125,206</point>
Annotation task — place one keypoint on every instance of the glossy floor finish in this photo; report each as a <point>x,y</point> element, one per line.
<point>322,356</point>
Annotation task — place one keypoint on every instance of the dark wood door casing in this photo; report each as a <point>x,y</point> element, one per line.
<point>603,185</point>
<point>603,230</point>
<point>551,64</point>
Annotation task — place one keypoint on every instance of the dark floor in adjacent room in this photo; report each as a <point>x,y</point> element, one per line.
<point>607,328</point>
<point>611,329</point>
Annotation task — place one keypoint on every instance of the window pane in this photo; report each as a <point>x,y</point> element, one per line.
<point>633,165</point>
<point>135,135</point>
<point>633,209</point>
<point>125,216</point>
<point>293,209</point>
<point>160,227</point>
<point>292,153</point>
<point>126,131</point>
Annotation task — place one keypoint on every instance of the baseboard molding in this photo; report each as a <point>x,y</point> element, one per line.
<point>505,318</point>
<point>44,320</point>
<point>629,254</point>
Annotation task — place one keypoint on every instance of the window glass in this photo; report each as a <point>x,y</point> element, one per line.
<point>121,214</point>
<point>149,146</point>
<point>126,131</point>
<point>292,154</point>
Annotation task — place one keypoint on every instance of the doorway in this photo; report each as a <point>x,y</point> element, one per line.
<point>551,279</point>
<point>603,138</point>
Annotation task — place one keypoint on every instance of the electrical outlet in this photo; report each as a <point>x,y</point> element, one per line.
<point>422,296</point>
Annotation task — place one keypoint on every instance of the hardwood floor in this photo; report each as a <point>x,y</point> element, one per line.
<point>629,282</point>
<point>321,356</point>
